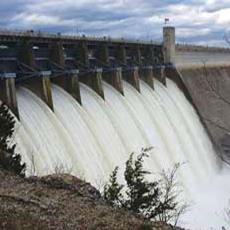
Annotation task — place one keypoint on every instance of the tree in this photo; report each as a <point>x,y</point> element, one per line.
<point>112,190</point>
<point>9,160</point>
<point>226,38</point>
<point>142,195</point>
<point>170,208</point>
<point>154,200</point>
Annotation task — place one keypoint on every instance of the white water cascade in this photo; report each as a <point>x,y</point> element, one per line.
<point>90,140</point>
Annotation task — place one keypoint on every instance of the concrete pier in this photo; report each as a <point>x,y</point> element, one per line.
<point>130,74</point>
<point>8,92</point>
<point>137,55</point>
<point>40,84</point>
<point>70,83</point>
<point>92,77</point>
<point>25,53</point>
<point>146,74</point>
<point>68,79</point>
<point>120,55</point>
<point>114,78</point>
<point>112,75</point>
<point>94,80</point>
<point>56,52</point>
<point>102,56</point>
<point>159,73</point>
<point>82,55</point>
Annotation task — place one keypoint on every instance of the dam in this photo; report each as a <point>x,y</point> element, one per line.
<point>83,105</point>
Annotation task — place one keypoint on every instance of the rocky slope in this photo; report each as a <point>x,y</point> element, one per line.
<point>60,202</point>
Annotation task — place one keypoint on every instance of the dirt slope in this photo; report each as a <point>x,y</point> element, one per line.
<point>60,202</point>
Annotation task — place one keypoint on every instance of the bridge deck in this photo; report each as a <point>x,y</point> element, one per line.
<point>37,35</point>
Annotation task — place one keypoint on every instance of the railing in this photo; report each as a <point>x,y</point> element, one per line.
<point>198,48</point>
<point>39,34</point>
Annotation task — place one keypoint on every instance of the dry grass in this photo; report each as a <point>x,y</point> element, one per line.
<point>60,202</point>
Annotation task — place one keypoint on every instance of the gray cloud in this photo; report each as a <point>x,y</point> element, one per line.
<point>197,21</point>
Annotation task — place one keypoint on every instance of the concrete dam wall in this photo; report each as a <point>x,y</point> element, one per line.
<point>206,76</point>
<point>84,104</point>
<point>209,89</point>
<point>35,61</point>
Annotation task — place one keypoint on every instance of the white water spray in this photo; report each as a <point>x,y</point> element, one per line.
<point>90,140</point>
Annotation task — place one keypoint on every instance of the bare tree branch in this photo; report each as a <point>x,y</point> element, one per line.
<point>226,38</point>
<point>213,89</point>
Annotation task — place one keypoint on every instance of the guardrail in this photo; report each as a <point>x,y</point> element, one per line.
<point>197,48</point>
<point>39,34</point>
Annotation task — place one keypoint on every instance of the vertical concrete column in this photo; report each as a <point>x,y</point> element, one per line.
<point>69,79</point>
<point>46,89</point>
<point>94,78</point>
<point>82,54</point>
<point>40,83</point>
<point>159,73</point>
<point>102,55</point>
<point>72,86</point>
<point>114,78</point>
<point>132,76</point>
<point>96,82</point>
<point>8,92</point>
<point>57,53</point>
<point>146,70</point>
<point>169,45</point>
<point>114,75</point>
<point>148,55</point>
<point>137,55</point>
<point>146,73</point>
<point>120,55</point>
<point>41,86</point>
<point>25,53</point>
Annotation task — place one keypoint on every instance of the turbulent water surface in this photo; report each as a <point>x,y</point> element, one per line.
<point>90,140</point>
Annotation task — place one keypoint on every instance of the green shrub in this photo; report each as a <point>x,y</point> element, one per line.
<point>156,200</point>
<point>146,226</point>
<point>112,190</point>
<point>9,160</point>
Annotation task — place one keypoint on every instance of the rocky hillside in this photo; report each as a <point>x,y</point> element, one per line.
<point>60,202</point>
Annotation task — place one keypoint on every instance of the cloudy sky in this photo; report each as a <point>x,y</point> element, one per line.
<point>203,22</point>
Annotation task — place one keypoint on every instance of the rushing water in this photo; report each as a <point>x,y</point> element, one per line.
<point>89,140</point>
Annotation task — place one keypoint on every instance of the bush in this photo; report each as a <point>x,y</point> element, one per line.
<point>9,160</point>
<point>112,191</point>
<point>142,195</point>
<point>146,226</point>
<point>155,200</point>
<point>170,206</point>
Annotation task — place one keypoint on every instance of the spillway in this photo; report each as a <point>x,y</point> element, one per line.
<point>89,140</point>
